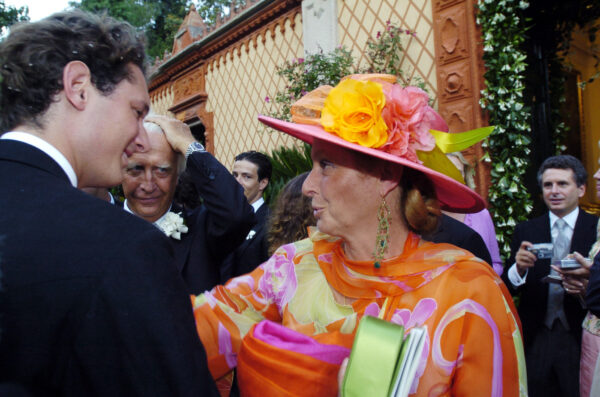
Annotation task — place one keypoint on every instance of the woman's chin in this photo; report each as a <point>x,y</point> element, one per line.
<point>324,227</point>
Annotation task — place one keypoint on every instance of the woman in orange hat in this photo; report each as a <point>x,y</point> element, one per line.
<point>288,325</point>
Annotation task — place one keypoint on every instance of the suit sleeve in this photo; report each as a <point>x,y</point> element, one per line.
<point>455,232</point>
<point>514,247</point>
<point>592,298</point>
<point>476,245</point>
<point>229,216</point>
<point>137,333</point>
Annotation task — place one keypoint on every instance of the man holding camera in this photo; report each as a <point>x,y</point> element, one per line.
<point>551,315</point>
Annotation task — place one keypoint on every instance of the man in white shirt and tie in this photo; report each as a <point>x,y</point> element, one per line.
<point>252,170</point>
<point>551,317</point>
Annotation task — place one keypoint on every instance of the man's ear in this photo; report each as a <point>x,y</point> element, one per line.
<point>581,190</point>
<point>262,184</point>
<point>76,83</point>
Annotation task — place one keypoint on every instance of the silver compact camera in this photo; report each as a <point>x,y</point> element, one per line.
<point>542,250</point>
<point>569,264</point>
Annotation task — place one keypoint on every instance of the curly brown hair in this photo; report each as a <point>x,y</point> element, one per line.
<point>291,215</point>
<point>33,57</point>
<point>418,202</point>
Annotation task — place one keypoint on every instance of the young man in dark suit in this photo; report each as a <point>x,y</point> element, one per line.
<point>204,236</point>
<point>91,303</point>
<point>551,317</point>
<point>252,170</point>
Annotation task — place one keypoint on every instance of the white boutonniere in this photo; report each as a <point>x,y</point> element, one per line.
<point>172,225</point>
<point>250,234</point>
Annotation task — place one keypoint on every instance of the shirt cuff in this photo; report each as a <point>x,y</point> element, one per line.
<point>514,277</point>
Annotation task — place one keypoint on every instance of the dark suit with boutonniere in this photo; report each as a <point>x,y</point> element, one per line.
<point>215,228</point>
<point>90,302</point>
<point>252,251</point>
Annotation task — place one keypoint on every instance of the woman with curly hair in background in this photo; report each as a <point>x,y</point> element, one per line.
<point>291,216</point>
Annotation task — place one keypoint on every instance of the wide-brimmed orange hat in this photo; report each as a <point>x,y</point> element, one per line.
<point>371,114</point>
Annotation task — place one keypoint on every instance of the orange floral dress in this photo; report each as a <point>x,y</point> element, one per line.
<point>473,345</point>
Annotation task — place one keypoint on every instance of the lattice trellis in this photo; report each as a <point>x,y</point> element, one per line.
<point>240,77</point>
<point>359,20</point>
<point>237,83</point>
<point>162,100</point>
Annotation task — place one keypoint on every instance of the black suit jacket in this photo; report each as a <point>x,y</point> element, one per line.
<point>91,303</point>
<point>534,293</point>
<point>252,251</point>
<point>592,298</point>
<point>457,233</point>
<point>216,228</point>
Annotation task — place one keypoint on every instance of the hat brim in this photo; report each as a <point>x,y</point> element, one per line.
<point>452,195</point>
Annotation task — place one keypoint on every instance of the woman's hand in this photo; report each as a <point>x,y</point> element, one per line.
<point>575,281</point>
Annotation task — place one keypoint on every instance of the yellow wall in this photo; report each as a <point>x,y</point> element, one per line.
<point>583,62</point>
<point>237,81</point>
<point>237,87</point>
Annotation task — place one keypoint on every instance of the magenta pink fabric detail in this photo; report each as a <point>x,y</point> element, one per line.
<point>284,338</point>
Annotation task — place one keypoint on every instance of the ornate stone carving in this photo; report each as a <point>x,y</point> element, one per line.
<point>459,72</point>
<point>452,35</point>
<point>456,78</point>
<point>449,36</point>
<point>441,4</point>
<point>189,84</point>
<point>192,29</point>
<point>458,115</point>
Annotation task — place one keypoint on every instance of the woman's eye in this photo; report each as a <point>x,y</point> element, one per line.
<point>325,163</point>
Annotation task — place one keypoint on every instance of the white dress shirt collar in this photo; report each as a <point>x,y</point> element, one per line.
<point>45,147</point>
<point>256,205</point>
<point>155,223</point>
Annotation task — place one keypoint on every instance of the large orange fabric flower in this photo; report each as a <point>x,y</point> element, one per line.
<point>353,112</point>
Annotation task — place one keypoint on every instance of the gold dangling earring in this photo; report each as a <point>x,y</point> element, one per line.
<point>382,239</point>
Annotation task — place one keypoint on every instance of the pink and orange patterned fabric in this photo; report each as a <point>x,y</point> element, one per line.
<point>473,344</point>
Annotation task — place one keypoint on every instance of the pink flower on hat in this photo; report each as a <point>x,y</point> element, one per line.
<point>409,119</point>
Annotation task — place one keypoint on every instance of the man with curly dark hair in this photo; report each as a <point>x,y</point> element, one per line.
<point>91,302</point>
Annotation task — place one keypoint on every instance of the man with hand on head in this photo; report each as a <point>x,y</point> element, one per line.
<point>202,237</point>
<point>91,303</point>
<point>551,318</point>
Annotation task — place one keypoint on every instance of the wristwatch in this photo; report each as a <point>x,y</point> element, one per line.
<point>194,147</point>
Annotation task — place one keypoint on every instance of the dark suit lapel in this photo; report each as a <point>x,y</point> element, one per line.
<point>542,225</point>
<point>547,229</point>
<point>585,224</point>
<point>182,247</point>
<point>30,156</point>
<point>262,213</point>
<point>260,216</point>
